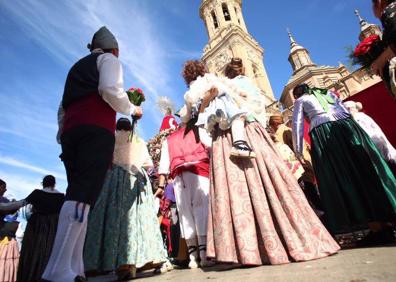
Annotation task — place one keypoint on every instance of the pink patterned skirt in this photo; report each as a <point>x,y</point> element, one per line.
<point>258,213</point>
<point>9,258</point>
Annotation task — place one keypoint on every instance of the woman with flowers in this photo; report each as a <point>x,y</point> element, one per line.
<point>123,229</point>
<point>357,188</point>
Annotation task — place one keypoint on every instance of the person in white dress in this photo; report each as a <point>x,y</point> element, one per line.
<point>373,130</point>
<point>211,101</point>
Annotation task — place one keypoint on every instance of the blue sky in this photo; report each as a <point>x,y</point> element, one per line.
<point>40,40</point>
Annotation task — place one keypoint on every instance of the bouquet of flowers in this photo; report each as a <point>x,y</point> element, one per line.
<point>367,51</point>
<point>136,96</point>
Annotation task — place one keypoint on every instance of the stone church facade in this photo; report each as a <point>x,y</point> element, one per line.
<point>228,38</point>
<point>339,78</point>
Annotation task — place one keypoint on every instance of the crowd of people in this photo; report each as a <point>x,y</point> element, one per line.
<point>223,186</point>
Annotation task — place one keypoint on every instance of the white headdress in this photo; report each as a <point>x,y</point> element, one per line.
<point>165,104</point>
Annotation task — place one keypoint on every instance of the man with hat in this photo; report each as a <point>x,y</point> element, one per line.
<point>93,94</point>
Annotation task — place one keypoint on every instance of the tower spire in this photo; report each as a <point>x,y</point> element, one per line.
<point>294,46</point>
<point>292,41</point>
<point>299,56</point>
<point>361,20</point>
<point>366,29</point>
<point>363,23</point>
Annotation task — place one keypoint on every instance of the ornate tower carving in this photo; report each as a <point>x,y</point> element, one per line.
<point>229,37</point>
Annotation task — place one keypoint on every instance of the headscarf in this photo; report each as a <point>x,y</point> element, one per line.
<point>322,96</point>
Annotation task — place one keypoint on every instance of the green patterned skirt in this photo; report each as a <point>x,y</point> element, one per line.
<point>355,183</point>
<point>123,228</point>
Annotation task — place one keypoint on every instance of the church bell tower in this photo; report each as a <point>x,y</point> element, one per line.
<point>228,38</point>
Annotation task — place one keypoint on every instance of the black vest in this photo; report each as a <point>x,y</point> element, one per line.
<point>82,80</point>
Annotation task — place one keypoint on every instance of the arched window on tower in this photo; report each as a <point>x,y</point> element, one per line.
<point>226,13</point>
<point>215,22</point>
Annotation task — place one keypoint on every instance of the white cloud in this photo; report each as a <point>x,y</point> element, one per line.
<point>20,164</point>
<point>34,122</point>
<point>20,186</point>
<point>64,28</point>
<point>340,7</point>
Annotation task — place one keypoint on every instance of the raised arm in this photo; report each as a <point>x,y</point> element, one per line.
<point>163,168</point>
<point>164,163</point>
<point>208,97</point>
<point>12,206</point>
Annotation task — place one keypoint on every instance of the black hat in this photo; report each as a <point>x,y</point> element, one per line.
<point>103,39</point>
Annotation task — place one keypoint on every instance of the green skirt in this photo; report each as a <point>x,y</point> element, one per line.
<point>355,183</point>
<point>123,227</point>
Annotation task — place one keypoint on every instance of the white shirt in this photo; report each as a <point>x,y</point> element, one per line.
<point>111,87</point>
<point>197,91</point>
<point>309,106</point>
<point>111,84</point>
<point>164,163</point>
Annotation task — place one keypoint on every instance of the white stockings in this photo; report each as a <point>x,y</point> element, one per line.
<point>66,261</point>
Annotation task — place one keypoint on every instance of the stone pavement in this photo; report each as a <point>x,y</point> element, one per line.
<point>354,265</point>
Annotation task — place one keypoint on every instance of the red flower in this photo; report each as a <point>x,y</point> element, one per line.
<point>364,47</point>
<point>140,91</point>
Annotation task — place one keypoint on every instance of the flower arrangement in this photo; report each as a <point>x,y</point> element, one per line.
<point>367,51</point>
<point>136,96</point>
<point>154,145</point>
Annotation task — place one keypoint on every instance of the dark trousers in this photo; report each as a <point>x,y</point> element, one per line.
<point>87,153</point>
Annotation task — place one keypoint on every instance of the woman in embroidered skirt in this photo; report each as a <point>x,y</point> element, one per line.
<point>258,213</point>
<point>123,228</point>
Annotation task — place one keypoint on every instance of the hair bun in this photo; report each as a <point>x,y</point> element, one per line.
<point>236,62</point>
